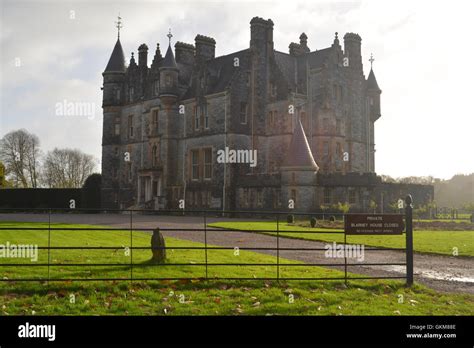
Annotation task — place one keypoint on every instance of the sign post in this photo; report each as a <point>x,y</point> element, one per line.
<point>409,238</point>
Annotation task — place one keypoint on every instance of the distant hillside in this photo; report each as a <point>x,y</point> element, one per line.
<point>453,193</point>
<point>456,192</point>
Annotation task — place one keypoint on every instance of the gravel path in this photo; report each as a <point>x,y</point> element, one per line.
<point>442,273</point>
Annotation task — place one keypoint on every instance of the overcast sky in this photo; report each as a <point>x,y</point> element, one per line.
<point>56,51</point>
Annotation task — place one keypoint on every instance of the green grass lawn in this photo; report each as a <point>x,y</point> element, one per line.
<point>194,297</point>
<point>438,242</point>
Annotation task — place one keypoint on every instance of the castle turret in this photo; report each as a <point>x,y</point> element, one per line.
<point>114,74</point>
<point>169,78</point>
<point>373,93</point>
<point>113,96</point>
<point>169,94</point>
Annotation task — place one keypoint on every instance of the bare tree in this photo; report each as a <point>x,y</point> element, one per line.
<point>67,168</point>
<point>20,152</point>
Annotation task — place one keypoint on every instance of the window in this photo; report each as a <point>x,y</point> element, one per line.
<point>168,80</point>
<point>259,197</point>
<point>352,196</point>
<point>293,195</point>
<point>195,164</point>
<point>117,129</point>
<point>206,116</point>
<point>155,155</point>
<point>130,126</point>
<point>245,197</point>
<point>338,127</point>
<point>243,112</point>
<point>156,87</point>
<point>371,101</point>
<point>208,163</point>
<point>338,149</point>
<point>273,90</point>
<point>270,119</point>
<point>154,120</point>
<point>327,196</point>
<point>326,124</point>
<point>117,95</point>
<point>326,148</point>
<point>276,198</point>
<point>197,112</point>
<point>248,78</point>
<point>131,92</point>
<point>129,169</point>
<point>203,198</point>
<point>196,198</point>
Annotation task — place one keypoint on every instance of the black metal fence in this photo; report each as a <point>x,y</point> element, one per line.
<point>205,247</point>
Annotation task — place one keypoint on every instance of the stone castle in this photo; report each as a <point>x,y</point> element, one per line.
<point>307,115</point>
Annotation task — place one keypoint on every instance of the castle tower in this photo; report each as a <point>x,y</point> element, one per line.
<point>373,101</point>
<point>169,94</point>
<point>373,94</point>
<point>113,93</point>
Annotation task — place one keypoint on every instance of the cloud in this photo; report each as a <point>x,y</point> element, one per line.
<point>421,51</point>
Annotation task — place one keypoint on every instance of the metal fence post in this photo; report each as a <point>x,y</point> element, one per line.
<point>205,241</point>
<point>278,247</point>
<point>345,258</point>
<point>49,242</point>
<point>131,246</point>
<point>409,238</point>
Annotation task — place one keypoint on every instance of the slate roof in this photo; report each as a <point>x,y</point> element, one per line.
<point>372,81</point>
<point>117,59</point>
<point>169,61</point>
<point>288,63</point>
<point>299,153</point>
<point>221,71</point>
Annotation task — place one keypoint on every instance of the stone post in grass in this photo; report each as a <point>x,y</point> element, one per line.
<point>158,247</point>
